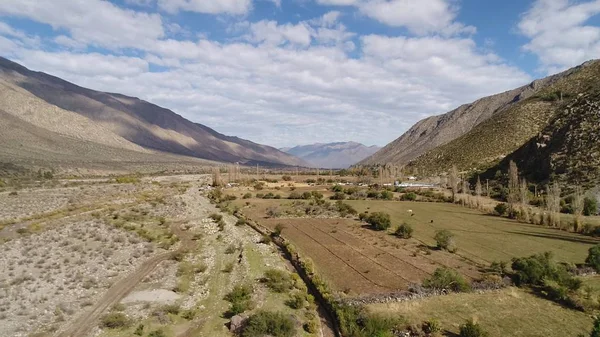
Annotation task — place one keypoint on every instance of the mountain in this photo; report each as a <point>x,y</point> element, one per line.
<point>332,155</point>
<point>479,135</point>
<point>568,148</point>
<point>44,117</point>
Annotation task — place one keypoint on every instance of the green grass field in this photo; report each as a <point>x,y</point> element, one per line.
<point>509,312</point>
<point>480,237</point>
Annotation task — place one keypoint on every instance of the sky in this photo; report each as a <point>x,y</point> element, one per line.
<point>291,72</point>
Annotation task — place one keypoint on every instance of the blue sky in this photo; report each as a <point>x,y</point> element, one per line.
<point>289,72</point>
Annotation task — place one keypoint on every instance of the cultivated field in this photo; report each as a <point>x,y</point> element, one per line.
<point>508,312</point>
<point>480,237</point>
<point>360,261</point>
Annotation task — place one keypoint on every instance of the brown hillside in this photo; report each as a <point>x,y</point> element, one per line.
<point>119,121</point>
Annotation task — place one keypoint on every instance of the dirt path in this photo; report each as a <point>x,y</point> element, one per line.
<point>88,320</point>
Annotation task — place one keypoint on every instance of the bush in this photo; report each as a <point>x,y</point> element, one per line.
<point>139,331</point>
<point>590,206</point>
<point>240,222</point>
<point>286,178</point>
<point>432,326</point>
<point>593,258</point>
<point>114,320</point>
<point>472,329</point>
<point>404,231</point>
<point>596,329</point>
<point>157,333</point>
<point>295,196</point>
<point>296,301</point>
<point>345,209</point>
<point>501,209</point>
<point>387,195</point>
<point>247,196</point>
<point>338,196</point>
<point>445,240</point>
<point>274,324</point>
<point>379,221</point>
<point>355,321</point>
<point>216,217</point>
<point>240,298</point>
<point>337,188</point>
<point>409,196</point>
<point>277,280</point>
<point>537,269</point>
<point>445,278</point>
<point>278,229</point>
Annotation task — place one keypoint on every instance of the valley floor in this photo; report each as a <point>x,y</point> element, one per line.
<point>147,250</point>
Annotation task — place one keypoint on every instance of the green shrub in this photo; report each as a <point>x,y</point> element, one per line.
<point>295,196</point>
<point>445,278</point>
<point>274,324</point>
<point>445,240</point>
<point>240,222</point>
<point>432,326</point>
<point>240,299</point>
<point>404,231</point>
<point>277,280</point>
<point>338,196</point>
<point>411,196</point>
<point>345,209</point>
<point>387,195</point>
<point>216,217</point>
<point>379,221</point>
<point>286,178</point>
<point>501,209</point>
<point>278,229</point>
<point>596,329</point>
<point>247,196</point>
<point>157,333</point>
<point>472,329</point>
<point>590,206</point>
<point>593,258</point>
<point>537,269</point>
<point>337,188</point>
<point>114,320</point>
<point>296,301</point>
<point>139,331</point>
<point>355,321</point>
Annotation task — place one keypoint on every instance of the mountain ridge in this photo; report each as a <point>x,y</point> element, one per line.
<point>131,120</point>
<point>332,155</point>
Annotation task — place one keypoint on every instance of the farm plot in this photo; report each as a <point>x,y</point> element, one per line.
<point>482,238</point>
<point>359,261</point>
<point>508,312</point>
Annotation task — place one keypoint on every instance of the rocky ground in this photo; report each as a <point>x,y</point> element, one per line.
<point>74,254</point>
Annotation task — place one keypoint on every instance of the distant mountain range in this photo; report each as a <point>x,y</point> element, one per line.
<point>332,155</point>
<point>44,119</point>
<point>549,127</point>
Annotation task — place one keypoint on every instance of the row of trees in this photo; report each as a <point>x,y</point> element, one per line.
<point>518,198</point>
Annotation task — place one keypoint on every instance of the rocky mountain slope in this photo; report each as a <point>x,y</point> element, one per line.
<point>43,116</point>
<point>435,131</point>
<point>567,150</point>
<point>332,155</point>
<point>515,123</point>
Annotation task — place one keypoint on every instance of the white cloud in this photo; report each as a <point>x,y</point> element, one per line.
<point>91,21</point>
<point>418,16</point>
<point>233,7</point>
<point>338,2</point>
<point>270,32</point>
<point>87,65</point>
<point>288,83</point>
<point>558,33</point>
<point>140,3</point>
